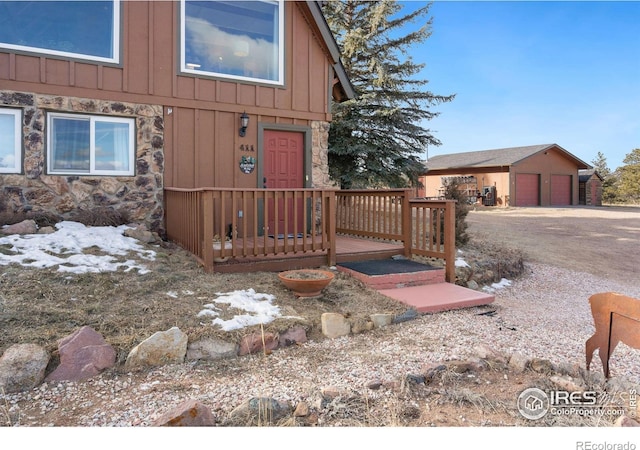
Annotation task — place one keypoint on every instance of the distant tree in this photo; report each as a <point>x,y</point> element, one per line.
<point>629,177</point>
<point>609,183</point>
<point>375,139</point>
<point>600,164</point>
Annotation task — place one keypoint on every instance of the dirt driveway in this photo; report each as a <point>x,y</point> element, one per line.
<point>603,241</point>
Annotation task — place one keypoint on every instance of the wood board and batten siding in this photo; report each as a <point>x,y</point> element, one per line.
<point>187,131</point>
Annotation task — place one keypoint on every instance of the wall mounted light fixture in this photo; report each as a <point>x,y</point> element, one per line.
<point>244,123</point>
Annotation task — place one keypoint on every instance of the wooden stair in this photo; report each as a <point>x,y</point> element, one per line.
<point>422,288</point>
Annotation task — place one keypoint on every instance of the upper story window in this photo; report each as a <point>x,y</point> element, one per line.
<point>10,140</point>
<point>72,29</point>
<point>90,145</point>
<point>242,40</point>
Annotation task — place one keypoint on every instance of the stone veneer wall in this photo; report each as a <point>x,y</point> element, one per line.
<point>140,195</point>
<point>320,155</point>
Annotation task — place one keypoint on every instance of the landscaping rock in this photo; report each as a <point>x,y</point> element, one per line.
<point>25,227</point>
<point>188,414</point>
<point>163,347</point>
<point>334,325</point>
<point>566,384</point>
<point>360,325</point>
<point>541,365</point>
<point>83,354</point>
<point>210,349</point>
<point>295,335</point>
<point>626,421</point>
<point>142,235</point>
<point>46,230</point>
<point>22,367</point>
<point>260,411</point>
<point>431,371</point>
<point>258,342</point>
<point>381,320</point>
<point>460,366</point>
<point>518,362</point>
<point>302,410</point>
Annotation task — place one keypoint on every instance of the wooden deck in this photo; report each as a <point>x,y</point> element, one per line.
<point>347,249</point>
<point>323,227</point>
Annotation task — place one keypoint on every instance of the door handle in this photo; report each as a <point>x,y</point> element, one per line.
<point>264,182</point>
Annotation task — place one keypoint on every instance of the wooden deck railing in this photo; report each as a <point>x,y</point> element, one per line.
<point>257,222</point>
<point>266,222</point>
<point>425,227</point>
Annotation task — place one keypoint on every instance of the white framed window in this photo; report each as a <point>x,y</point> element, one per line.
<point>240,40</point>
<point>10,140</point>
<point>90,145</point>
<point>87,30</point>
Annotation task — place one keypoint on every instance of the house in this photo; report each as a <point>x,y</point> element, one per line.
<point>590,188</point>
<point>536,175</point>
<point>108,103</point>
<point>204,120</point>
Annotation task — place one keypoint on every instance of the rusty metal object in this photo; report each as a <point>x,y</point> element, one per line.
<point>617,319</point>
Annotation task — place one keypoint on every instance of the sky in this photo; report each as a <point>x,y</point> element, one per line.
<point>529,73</point>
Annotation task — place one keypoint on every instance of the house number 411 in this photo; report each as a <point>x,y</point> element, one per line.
<point>247,148</point>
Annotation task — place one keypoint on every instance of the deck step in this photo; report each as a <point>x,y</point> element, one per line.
<point>393,273</point>
<point>438,297</point>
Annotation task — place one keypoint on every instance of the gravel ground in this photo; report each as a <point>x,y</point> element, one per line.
<point>544,314</point>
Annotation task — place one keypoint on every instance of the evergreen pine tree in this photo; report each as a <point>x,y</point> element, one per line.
<point>609,183</point>
<point>629,182</point>
<point>375,139</point>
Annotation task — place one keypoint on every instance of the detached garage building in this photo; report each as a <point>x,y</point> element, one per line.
<point>536,175</point>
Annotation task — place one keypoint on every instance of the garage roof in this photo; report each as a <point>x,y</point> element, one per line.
<point>500,157</point>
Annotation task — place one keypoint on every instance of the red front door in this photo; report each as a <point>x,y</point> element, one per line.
<point>283,168</point>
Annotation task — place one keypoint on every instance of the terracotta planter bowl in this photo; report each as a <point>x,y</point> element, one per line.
<point>306,282</point>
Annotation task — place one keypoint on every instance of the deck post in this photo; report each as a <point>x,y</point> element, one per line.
<point>450,241</point>
<point>407,223</point>
<point>207,229</point>
<point>330,224</point>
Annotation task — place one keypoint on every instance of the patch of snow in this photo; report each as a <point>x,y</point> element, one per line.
<point>499,285</point>
<point>259,308</point>
<point>64,249</point>
<point>461,263</point>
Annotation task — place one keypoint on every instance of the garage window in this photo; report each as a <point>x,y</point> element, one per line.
<point>90,145</point>
<point>10,140</point>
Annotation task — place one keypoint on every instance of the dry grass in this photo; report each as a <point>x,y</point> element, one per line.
<point>42,306</point>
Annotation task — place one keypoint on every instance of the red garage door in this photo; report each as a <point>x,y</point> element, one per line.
<point>527,189</point>
<point>560,190</point>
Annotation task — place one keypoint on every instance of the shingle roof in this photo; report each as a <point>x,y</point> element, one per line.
<point>500,157</point>
<point>584,175</point>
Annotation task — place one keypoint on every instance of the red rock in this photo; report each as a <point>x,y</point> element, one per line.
<point>257,342</point>
<point>83,355</point>
<point>188,414</point>
<point>295,335</point>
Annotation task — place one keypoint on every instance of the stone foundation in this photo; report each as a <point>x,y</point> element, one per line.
<point>140,195</point>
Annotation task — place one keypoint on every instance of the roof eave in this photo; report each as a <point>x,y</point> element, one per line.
<point>346,89</point>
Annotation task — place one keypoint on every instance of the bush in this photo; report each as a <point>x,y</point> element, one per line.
<point>452,192</point>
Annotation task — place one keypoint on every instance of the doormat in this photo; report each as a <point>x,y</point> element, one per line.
<point>290,236</point>
<point>387,266</point>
